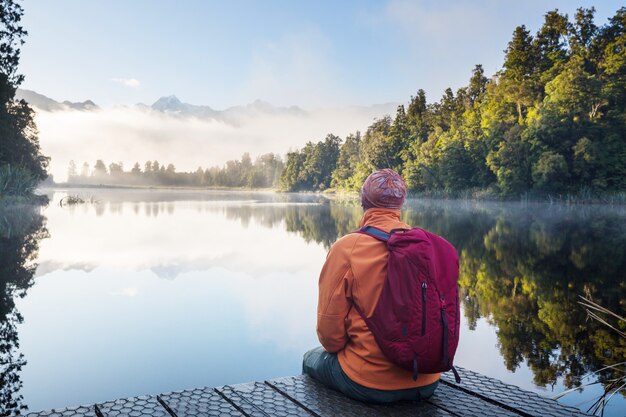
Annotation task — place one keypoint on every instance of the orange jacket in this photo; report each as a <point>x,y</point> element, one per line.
<point>354,272</point>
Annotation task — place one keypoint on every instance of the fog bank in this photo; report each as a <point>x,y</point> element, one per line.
<point>136,134</point>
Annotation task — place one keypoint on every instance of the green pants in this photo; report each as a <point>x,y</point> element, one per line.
<point>324,367</point>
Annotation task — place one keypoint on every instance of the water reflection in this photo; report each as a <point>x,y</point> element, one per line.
<point>21,229</point>
<point>236,298</point>
<point>524,268</point>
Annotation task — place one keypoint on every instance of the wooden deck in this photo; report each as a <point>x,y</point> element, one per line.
<point>476,395</point>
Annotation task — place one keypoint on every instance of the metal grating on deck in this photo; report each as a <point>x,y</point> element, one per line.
<point>324,402</point>
<point>524,402</point>
<point>257,399</point>
<point>200,402</point>
<point>132,407</point>
<point>82,411</point>
<point>302,396</point>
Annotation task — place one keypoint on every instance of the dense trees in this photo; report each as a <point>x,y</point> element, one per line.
<point>552,120</point>
<point>264,172</point>
<point>311,168</point>
<point>19,148</point>
<point>347,163</point>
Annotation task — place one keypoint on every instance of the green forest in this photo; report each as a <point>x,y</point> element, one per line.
<point>552,120</point>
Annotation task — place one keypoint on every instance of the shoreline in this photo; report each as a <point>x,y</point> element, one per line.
<point>582,197</point>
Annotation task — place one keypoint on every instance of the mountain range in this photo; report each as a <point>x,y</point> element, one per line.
<point>44,103</point>
<point>171,105</point>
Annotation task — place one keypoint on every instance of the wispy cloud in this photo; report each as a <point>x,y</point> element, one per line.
<point>127,292</point>
<point>128,82</point>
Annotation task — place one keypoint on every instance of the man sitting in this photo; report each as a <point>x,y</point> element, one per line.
<point>355,270</point>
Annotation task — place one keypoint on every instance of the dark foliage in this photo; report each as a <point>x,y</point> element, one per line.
<point>19,144</point>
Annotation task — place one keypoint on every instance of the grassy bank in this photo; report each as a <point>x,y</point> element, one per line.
<point>583,196</point>
<point>17,186</point>
<point>15,181</point>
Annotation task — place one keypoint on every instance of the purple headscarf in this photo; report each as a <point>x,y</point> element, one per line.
<point>384,189</point>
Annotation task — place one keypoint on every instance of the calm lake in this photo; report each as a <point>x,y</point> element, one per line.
<point>149,291</point>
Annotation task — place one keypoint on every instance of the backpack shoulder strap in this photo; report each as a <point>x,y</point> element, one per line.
<point>375,233</point>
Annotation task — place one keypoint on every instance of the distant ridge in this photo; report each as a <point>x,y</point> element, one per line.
<point>173,106</point>
<point>47,104</point>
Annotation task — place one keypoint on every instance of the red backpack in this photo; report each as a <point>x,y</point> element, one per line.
<point>416,320</point>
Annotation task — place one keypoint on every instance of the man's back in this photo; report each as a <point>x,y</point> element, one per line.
<point>354,272</point>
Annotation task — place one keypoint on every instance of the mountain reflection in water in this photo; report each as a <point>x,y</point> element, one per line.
<point>238,294</point>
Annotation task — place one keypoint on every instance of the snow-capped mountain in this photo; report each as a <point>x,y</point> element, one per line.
<point>235,115</point>
<point>171,104</point>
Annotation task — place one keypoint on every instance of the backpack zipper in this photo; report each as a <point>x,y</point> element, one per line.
<point>424,285</point>
<point>444,323</point>
<point>456,312</point>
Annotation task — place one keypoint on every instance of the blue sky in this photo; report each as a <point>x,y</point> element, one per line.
<point>312,54</point>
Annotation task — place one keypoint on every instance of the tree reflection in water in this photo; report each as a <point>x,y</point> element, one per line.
<point>522,268</point>
<point>21,229</point>
<point>526,278</point>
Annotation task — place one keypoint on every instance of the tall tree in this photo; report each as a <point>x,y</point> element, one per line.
<point>71,170</point>
<point>84,171</point>
<point>99,169</point>
<point>583,32</point>
<point>18,133</point>
<point>477,85</point>
<point>551,43</point>
<point>347,161</point>
<point>519,69</point>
